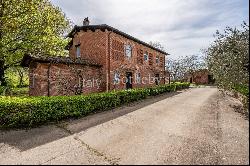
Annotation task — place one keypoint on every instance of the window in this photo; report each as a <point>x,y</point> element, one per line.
<point>157,79</point>
<point>116,78</point>
<point>146,56</point>
<point>78,51</point>
<point>128,51</point>
<point>157,60</point>
<point>138,78</point>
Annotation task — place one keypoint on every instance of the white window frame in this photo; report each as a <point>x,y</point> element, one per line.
<point>116,78</point>
<point>146,55</point>
<point>157,59</point>
<point>128,51</point>
<point>138,78</point>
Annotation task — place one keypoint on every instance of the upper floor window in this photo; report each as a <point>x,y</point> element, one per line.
<point>157,60</point>
<point>146,56</point>
<point>128,50</point>
<point>78,51</point>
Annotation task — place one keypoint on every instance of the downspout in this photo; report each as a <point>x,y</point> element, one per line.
<point>169,78</point>
<point>108,63</point>
<point>164,70</point>
<point>48,81</point>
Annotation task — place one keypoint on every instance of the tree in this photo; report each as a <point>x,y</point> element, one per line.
<point>228,57</point>
<point>157,45</point>
<point>182,66</point>
<point>21,73</point>
<point>193,63</point>
<point>175,68</point>
<point>178,68</point>
<point>30,27</point>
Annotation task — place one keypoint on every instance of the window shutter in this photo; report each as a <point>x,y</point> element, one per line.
<point>150,62</point>
<point>140,56</point>
<point>117,50</point>
<point>161,61</point>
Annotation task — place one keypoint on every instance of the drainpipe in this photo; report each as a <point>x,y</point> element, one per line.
<point>169,78</point>
<point>108,63</point>
<point>48,81</point>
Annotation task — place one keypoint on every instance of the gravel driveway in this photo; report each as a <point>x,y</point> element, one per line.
<point>196,126</point>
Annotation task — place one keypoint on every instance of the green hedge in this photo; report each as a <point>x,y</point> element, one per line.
<point>33,111</point>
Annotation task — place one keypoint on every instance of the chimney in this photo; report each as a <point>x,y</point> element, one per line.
<point>86,21</point>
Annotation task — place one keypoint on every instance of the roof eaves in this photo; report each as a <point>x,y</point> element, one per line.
<point>105,26</point>
<point>58,59</point>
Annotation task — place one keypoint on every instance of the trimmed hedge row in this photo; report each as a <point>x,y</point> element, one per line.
<point>33,111</point>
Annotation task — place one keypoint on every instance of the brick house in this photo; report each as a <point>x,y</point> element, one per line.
<point>116,59</point>
<point>202,76</point>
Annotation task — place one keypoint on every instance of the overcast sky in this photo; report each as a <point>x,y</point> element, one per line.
<point>184,27</point>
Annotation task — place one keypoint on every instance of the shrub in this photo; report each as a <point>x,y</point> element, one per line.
<point>243,89</point>
<point>2,90</point>
<point>8,91</point>
<point>32,111</point>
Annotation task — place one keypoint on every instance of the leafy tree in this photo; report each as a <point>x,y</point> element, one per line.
<point>228,57</point>
<point>30,27</point>
<point>193,63</point>
<point>174,68</point>
<point>17,77</point>
<point>183,65</point>
<point>178,68</point>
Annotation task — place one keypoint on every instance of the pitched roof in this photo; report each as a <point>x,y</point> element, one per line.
<point>27,59</point>
<point>104,27</point>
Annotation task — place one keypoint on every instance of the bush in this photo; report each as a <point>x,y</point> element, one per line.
<point>243,89</point>
<point>32,111</point>
<point>4,90</point>
<point>8,91</point>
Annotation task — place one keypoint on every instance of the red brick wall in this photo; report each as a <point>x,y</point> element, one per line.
<point>37,79</point>
<point>121,64</point>
<point>95,46</point>
<point>63,79</point>
<point>198,77</point>
<point>201,77</point>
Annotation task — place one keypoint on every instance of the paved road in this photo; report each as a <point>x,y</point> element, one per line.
<point>197,126</point>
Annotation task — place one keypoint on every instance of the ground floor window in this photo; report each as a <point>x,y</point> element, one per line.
<point>138,78</point>
<point>116,78</point>
<point>157,79</point>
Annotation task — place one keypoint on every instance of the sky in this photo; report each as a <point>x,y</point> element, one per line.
<point>183,27</point>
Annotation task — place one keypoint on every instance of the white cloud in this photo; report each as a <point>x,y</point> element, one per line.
<point>183,27</point>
